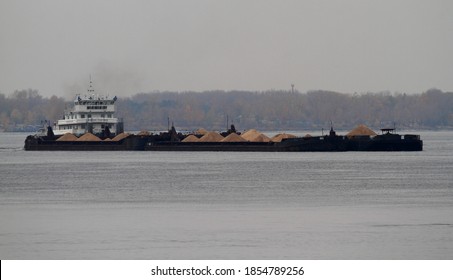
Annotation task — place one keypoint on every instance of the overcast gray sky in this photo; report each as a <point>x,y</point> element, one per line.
<point>145,45</point>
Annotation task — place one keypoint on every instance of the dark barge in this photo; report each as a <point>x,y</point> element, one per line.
<point>45,143</point>
<point>387,141</point>
<point>171,141</point>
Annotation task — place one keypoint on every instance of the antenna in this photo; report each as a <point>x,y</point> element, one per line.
<point>90,88</point>
<point>227,123</point>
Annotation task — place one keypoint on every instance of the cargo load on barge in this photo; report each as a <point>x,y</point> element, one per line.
<point>171,140</point>
<point>388,140</point>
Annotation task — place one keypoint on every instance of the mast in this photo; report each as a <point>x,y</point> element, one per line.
<point>90,88</point>
<point>227,127</point>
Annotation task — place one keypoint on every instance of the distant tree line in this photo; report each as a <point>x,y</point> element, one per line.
<point>27,109</point>
<point>270,110</point>
<point>276,110</point>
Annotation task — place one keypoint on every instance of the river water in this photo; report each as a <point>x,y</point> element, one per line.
<point>226,205</point>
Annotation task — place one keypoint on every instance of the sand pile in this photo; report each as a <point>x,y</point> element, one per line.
<point>67,137</point>
<point>250,134</point>
<point>307,136</point>
<point>191,138</point>
<point>361,130</point>
<point>253,135</point>
<point>120,136</point>
<point>107,139</point>
<point>88,137</point>
<point>279,137</point>
<point>261,138</point>
<point>233,137</point>
<point>211,137</point>
<point>201,131</point>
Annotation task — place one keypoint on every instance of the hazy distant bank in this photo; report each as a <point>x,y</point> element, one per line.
<point>271,110</point>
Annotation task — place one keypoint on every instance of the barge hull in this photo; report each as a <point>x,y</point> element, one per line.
<point>312,144</point>
<point>43,144</point>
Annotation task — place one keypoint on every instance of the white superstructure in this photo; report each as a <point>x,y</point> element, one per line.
<point>92,113</point>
